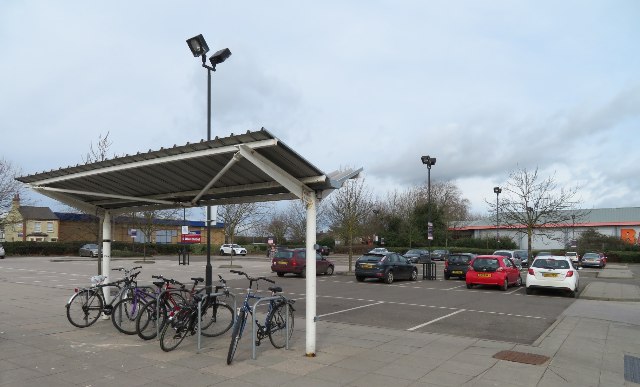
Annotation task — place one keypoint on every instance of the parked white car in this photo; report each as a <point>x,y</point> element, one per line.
<point>232,249</point>
<point>1,252</point>
<point>575,258</point>
<point>553,272</point>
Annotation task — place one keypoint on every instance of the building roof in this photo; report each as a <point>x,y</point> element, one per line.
<point>625,216</point>
<point>37,213</point>
<point>251,167</point>
<point>74,217</point>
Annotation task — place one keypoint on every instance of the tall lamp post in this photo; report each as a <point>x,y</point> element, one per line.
<point>199,48</point>
<point>429,162</point>
<point>497,191</point>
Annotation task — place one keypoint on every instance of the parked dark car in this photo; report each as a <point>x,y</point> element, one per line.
<point>457,264</point>
<point>416,255</point>
<point>324,250</point>
<point>88,250</point>
<point>439,255</point>
<point>594,259</point>
<point>386,267</point>
<point>295,261</point>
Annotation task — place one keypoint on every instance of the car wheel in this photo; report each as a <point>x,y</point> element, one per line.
<point>414,275</point>
<point>280,274</point>
<point>329,271</point>
<point>244,255</point>
<point>389,277</point>
<point>528,291</point>
<point>505,285</point>
<point>303,273</point>
<point>221,252</point>
<point>519,281</point>
<point>572,294</point>
<point>359,279</point>
<point>469,286</point>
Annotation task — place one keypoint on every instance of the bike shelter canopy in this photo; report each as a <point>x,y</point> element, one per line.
<point>251,167</point>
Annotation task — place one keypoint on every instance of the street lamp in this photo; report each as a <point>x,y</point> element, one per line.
<point>497,191</point>
<point>199,48</point>
<point>429,161</point>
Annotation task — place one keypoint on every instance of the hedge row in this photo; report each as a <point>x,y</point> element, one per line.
<point>117,249</point>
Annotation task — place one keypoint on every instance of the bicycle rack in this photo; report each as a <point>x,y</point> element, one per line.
<point>253,323</point>
<point>233,315</point>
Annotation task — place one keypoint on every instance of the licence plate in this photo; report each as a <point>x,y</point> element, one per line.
<point>282,262</point>
<point>549,274</point>
<point>487,275</point>
<point>457,272</point>
<point>366,266</point>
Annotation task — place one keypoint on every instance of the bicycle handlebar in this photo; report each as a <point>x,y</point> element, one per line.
<point>253,279</point>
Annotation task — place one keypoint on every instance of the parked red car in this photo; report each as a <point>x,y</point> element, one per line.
<point>295,261</point>
<point>493,270</point>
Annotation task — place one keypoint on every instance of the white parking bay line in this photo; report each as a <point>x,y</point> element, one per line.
<point>435,320</point>
<point>347,310</point>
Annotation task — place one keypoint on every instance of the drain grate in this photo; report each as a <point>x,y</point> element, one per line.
<point>521,357</point>
<point>631,369</point>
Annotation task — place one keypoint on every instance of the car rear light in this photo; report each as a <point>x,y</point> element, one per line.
<point>530,271</point>
<point>446,264</point>
<point>570,273</point>
<point>294,262</point>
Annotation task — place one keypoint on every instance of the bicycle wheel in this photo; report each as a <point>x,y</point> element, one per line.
<point>238,327</point>
<point>124,315</point>
<point>175,331</point>
<point>84,308</point>
<point>217,319</point>
<point>147,320</point>
<point>276,324</point>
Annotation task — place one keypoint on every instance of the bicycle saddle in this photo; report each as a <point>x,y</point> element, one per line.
<point>276,289</point>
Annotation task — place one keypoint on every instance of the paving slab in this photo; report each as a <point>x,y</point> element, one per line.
<point>608,291</point>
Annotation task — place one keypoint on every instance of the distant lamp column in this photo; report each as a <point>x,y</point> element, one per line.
<point>429,162</point>
<point>497,191</point>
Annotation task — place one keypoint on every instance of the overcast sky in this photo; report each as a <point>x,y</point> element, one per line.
<point>484,86</point>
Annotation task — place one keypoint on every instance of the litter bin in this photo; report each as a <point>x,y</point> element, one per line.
<point>429,270</point>
<point>183,257</point>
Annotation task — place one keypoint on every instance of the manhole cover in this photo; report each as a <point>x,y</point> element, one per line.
<point>521,357</point>
<point>631,369</point>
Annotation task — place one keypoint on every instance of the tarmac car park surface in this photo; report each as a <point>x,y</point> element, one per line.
<point>436,306</point>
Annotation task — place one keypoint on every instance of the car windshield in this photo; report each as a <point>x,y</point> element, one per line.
<point>413,252</point>
<point>551,264</point>
<point>591,255</point>
<point>439,251</point>
<point>461,259</point>
<point>284,254</point>
<point>486,264</point>
<point>503,253</point>
<point>91,246</point>
<point>235,246</point>
<point>370,258</point>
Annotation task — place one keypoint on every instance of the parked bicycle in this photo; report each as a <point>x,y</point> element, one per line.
<point>216,317</point>
<point>172,295</point>
<point>275,323</point>
<point>88,304</point>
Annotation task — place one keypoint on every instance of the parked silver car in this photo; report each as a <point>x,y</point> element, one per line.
<point>89,250</point>
<point>1,252</point>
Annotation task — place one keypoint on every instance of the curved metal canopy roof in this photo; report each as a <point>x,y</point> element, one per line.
<point>250,167</point>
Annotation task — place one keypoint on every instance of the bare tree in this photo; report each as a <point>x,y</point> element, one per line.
<point>531,203</point>
<point>446,196</point>
<point>277,226</point>
<point>348,209</point>
<point>240,218</point>
<point>148,223</point>
<point>101,152</point>
<point>9,188</point>
<point>296,218</point>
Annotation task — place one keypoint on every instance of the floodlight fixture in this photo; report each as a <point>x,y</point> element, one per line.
<point>497,190</point>
<point>198,46</point>
<point>428,161</point>
<point>219,57</point>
